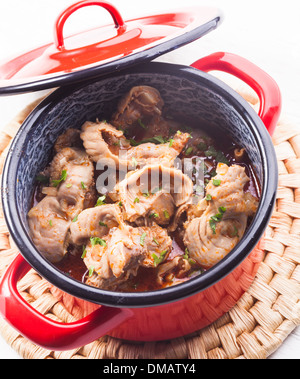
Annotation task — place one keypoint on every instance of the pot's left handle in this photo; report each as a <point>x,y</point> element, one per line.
<point>262,83</point>
<point>49,334</point>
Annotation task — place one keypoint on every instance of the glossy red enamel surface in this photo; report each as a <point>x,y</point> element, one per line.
<point>101,45</point>
<point>44,331</point>
<point>59,26</point>
<point>139,324</point>
<point>265,87</point>
<point>193,313</point>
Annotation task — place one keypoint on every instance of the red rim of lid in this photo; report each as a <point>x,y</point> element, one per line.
<point>108,48</point>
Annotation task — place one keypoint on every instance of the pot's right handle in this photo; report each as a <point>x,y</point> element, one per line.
<point>265,86</point>
<point>43,331</point>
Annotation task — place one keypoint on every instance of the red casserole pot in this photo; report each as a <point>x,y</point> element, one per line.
<point>170,312</point>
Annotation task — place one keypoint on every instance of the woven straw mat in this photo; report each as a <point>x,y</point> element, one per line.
<point>267,313</point>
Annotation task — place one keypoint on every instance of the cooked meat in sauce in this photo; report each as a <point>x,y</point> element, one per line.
<point>103,142</point>
<point>210,237</point>
<point>69,169</point>
<point>140,200</point>
<point>49,226</point>
<point>179,204</point>
<point>141,105</point>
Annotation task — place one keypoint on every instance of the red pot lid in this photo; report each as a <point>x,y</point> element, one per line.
<point>105,49</point>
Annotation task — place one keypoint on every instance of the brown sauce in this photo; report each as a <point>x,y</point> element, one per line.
<point>72,264</point>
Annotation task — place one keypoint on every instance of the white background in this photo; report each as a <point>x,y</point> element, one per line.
<point>267,32</point>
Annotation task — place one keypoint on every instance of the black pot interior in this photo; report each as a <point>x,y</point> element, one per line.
<point>188,94</point>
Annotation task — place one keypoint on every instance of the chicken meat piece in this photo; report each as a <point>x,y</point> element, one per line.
<point>177,265</point>
<point>95,222</point>
<point>187,212</point>
<point>210,237</point>
<point>118,255</point>
<point>49,229</point>
<point>207,247</point>
<point>106,145</point>
<point>165,154</point>
<point>140,103</point>
<point>154,192</point>
<point>158,243</point>
<point>70,138</point>
<point>227,190</point>
<point>72,173</point>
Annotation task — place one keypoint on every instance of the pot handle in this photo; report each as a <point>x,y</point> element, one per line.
<point>265,87</point>
<point>61,20</point>
<point>49,334</point>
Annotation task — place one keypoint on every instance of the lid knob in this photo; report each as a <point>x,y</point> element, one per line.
<point>83,55</point>
<point>61,20</point>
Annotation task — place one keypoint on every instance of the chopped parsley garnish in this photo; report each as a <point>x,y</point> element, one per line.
<point>134,162</point>
<point>120,204</point>
<point>218,155</point>
<point>133,142</point>
<point>220,158</point>
<point>142,124</point>
<point>186,255</point>
<point>83,252</point>
<point>146,194</point>
<point>154,214</point>
<point>216,218</point>
<point>158,260</point>
<point>103,224</point>
<point>212,224</point>
<point>97,241</point>
<point>211,152</point>
<point>69,185</point>
<point>155,241</point>
<point>171,142</point>
<point>91,271</point>
<point>63,177</point>
<point>208,197</point>
<point>142,240</point>
<point>189,151</point>
<point>216,182</point>
<point>136,200</point>
<point>156,140</point>
<point>83,186</point>
<point>166,214</point>
<point>75,218</point>
<point>50,223</point>
<point>100,201</point>
<point>235,232</point>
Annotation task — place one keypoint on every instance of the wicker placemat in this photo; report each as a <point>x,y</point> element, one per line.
<point>253,329</point>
